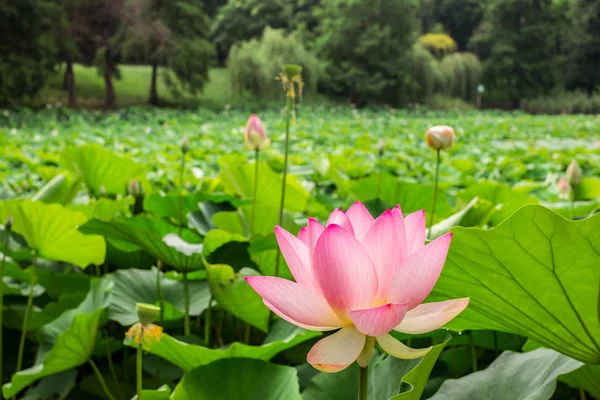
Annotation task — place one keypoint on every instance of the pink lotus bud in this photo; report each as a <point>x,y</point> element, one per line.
<point>440,137</point>
<point>564,189</point>
<point>574,173</point>
<point>255,135</point>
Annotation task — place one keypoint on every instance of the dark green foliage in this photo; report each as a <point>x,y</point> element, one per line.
<point>564,103</point>
<point>28,47</point>
<point>254,64</point>
<point>583,65</point>
<point>460,18</point>
<point>242,20</point>
<point>192,53</point>
<point>461,74</point>
<point>367,48</point>
<point>521,41</point>
<point>426,74</point>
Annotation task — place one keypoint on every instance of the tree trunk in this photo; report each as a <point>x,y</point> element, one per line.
<point>153,99</point>
<point>70,84</point>
<point>65,84</point>
<point>110,90</point>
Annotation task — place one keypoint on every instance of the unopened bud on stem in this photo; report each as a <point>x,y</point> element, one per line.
<point>440,137</point>
<point>255,135</point>
<point>574,174</point>
<point>185,144</point>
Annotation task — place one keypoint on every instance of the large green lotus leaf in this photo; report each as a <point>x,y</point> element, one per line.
<point>140,286</point>
<point>410,196</point>
<point>239,379</point>
<point>51,230</point>
<point>97,299</point>
<point>72,348</point>
<point>60,189</point>
<point>505,199</point>
<point>535,275</point>
<point>515,376</point>
<point>237,177</point>
<point>101,168</point>
<point>454,220</point>
<point>232,292</point>
<point>51,386</point>
<point>167,205</point>
<point>147,234</point>
<point>103,208</point>
<point>188,356</point>
<point>68,341</point>
<point>390,378</point>
<point>586,378</point>
<point>589,189</point>
<point>265,219</point>
<point>577,209</point>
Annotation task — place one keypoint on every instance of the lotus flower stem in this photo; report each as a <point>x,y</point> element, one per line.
<point>473,352</point>
<point>186,301</point>
<point>159,267</point>
<point>207,322</point>
<point>4,250</point>
<point>25,323</point>
<point>288,112</point>
<point>138,370</point>
<point>253,209</point>
<point>435,190</point>
<point>582,394</point>
<point>379,166</point>
<point>247,333</point>
<point>181,186</point>
<point>111,366</point>
<point>363,383</point>
<point>102,381</point>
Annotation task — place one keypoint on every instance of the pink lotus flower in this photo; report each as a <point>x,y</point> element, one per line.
<point>255,135</point>
<point>366,276</point>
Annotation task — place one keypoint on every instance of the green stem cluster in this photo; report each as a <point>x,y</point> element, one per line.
<point>4,250</point>
<point>363,383</point>
<point>435,190</point>
<point>138,368</point>
<point>288,112</point>
<point>186,300</point>
<point>101,380</point>
<point>254,192</point>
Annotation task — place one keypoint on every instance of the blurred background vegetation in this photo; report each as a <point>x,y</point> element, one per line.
<point>538,55</point>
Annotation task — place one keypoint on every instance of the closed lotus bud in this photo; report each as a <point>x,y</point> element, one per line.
<point>440,137</point>
<point>8,224</point>
<point>574,173</point>
<point>255,135</point>
<point>146,313</point>
<point>564,189</point>
<point>134,188</point>
<point>185,144</point>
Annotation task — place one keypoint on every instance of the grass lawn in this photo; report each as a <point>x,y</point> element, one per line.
<point>132,88</point>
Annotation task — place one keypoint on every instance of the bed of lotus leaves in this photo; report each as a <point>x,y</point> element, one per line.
<point>87,250</point>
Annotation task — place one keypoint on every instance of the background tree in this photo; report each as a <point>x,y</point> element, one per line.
<point>460,18</point>
<point>583,51</point>
<point>521,39</point>
<point>189,53</point>
<point>28,47</point>
<point>366,47</point>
